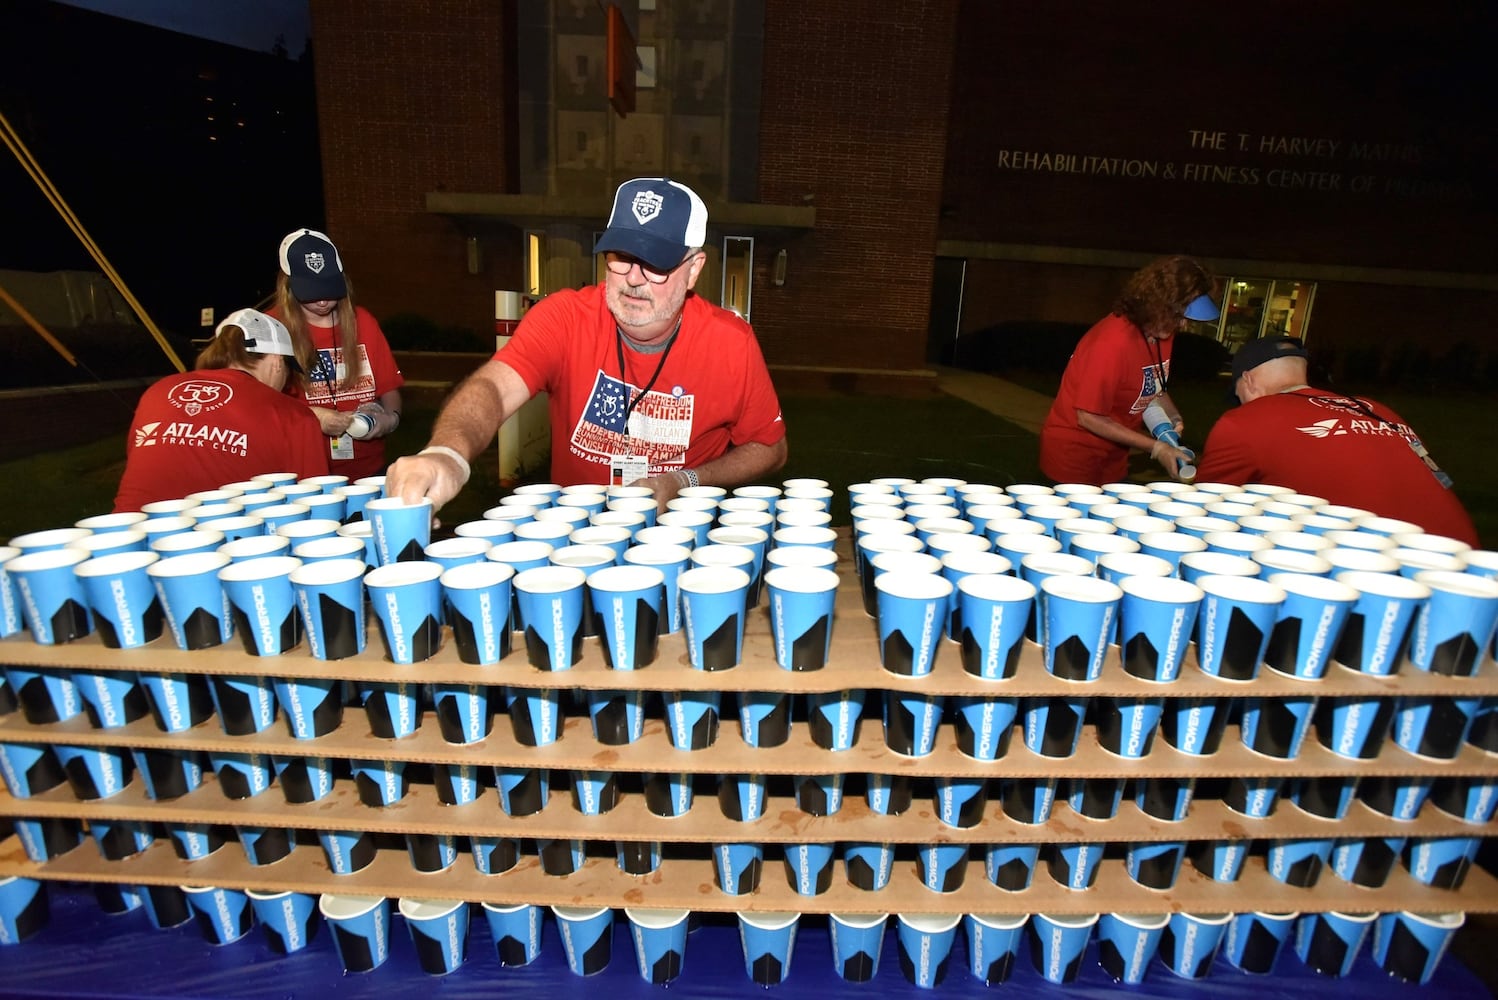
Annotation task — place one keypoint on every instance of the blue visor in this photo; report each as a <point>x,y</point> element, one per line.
<point>1202,308</point>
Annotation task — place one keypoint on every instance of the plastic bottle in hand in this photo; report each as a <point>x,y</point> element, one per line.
<point>1158,422</point>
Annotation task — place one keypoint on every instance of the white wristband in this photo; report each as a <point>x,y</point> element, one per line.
<point>438,449</point>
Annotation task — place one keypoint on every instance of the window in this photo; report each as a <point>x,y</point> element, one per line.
<point>1259,307</point>
<point>738,267</point>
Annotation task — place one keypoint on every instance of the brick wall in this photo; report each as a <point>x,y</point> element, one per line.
<point>412,98</point>
<point>855,114</point>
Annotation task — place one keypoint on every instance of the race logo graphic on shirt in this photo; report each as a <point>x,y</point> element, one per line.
<point>187,434</point>
<point>145,434</point>
<point>324,379</point>
<point>660,425</point>
<point>646,206</point>
<point>1151,384</point>
<point>197,396</point>
<point>1354,420</point>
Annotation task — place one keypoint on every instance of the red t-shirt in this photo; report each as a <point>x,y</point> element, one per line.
<point>713,391</point>
<point>324,387</point>
<point>1305,440</point>
<point>1114,371</point>
<point>199,430</point>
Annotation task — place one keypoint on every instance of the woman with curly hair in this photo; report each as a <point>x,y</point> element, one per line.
<point>352,382</point>
<point>1119,367</point>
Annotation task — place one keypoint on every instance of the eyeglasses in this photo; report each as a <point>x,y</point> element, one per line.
<point>620,264</point>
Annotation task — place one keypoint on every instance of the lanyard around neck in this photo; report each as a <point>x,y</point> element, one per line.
<point>630,404</point>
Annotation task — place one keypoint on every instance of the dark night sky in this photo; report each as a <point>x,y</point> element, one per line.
<point>250,24</point>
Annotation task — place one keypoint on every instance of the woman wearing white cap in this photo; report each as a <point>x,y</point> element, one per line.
<point>352,382</point>
<point>226,420</point>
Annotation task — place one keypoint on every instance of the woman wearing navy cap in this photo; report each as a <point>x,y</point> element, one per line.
<point>1119,367</point>
<point>352,382</point>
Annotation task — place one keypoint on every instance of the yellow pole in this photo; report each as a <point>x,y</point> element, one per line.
<point>41,331</point>
<point>18,149</point>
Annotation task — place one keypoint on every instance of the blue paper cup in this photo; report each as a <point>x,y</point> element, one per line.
<point>808,868</point>
<point>194,841</point>
<point>1190,942</point>
<point>347,851</point>
<point>1053,725</point>
<point>587,558</point>
<point>768,941</point>
<point>1297,862</point>
<point>234,529</point>
<point>1253,941</point>
<point>265,845</point>
<point>456,784</point>
<point>1234,624</point>
<point>713,602</point>
<point>925,946</point>
<point>637,857</point>
<point>110,698</point>
<point>994,610</point>
<point>801,614</point>
<point>1037,567</point>
<point>833,716</point>
<point>523,791</point>
<point>1453,632</point>
<point>263,603</point>
<point>1126,726</point>
<point>630,604</point>
<point>1276,727</point>
<point>819,794</point>
<point>114,899</point>
<point>764,718</point>
<point>361,929</point>
<point>1195,725</point>
<point>535,715</point>
<point>119,839</point>
<point>431,852</point>
<point>587,937</point>
<point>961,801</point>
<point>11,618</point>
<point>168,774</point>
<point>1484,732</point>
<point>1395,796</point>
<point>887,794</point>
<point>1329,942</point>
<point>1354,727</point>
<point>551,602</point>
<point>1309,624</point>
<point>1366,861</point>
<point>304,779</point>
<point>1156,864</point>
<point>494,855</point>
<point>178,701</point>
<point>224,915</point>
<point>1164,798</point>
<point>94,772</point>
<point>1219,860</point>
<point>1472,800</point>
<point>1375,639</point>
<point>1440,862</point>
<point>742,796</point>
<point>126,610</point>
<point>1094,798</point>
<point>393,708</point>
<point>1011,867</point>
<point>1127,942</point>
<point>193,602</point>
<point>462,712</point>
<point>407,599</point>
<point>737,867</point>
<point>1410,946</point>
<point>515,932</point>
<point>1073,866</point>
<point>668,794</point>
<point>594,792</point>
<point>380,782</point>
<point>364,532</point>
<point>1326,796</point>
<point>439,932</point>
<point>912,612</point>
<point>478,598</point>
<point>984,726</point>
<point>24,909</point>
<point>1058,942</point>
<point>671,558</point>
<point>29,769</point>
<point>941,867</point>
<point>255,546</point>
<point>1253,797</point>
<point>273,517</point>
<point>618,717</point>
<point>910,722</point>
<point>1080,613</point>
<point>313,707</point>
<point>402,531</point>
<point>1433,727</point>
<point>857,942</point>
<point>53,602</point>
<point>868,866</point>
<point>330,595</point>
<point>1156,618</point>
<point>45,694</point>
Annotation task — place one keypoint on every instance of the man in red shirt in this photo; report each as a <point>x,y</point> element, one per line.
<point>1349,450</point>
<point>647,382</point>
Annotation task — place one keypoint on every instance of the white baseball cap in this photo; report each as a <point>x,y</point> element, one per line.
<point>262,334</point>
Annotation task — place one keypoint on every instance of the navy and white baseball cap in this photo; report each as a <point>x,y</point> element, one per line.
<point>655,220</point>
<point>312,263</point>
<point>262,334</point>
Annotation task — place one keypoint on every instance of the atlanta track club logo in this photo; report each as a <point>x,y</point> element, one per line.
<point>145,434</point>
<point>646,206</point>
<point>197,396</point>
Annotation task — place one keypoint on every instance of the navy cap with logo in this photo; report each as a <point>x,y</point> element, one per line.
<point>656,221</point>
<point>1256,352</point>
<point>311,262</point>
